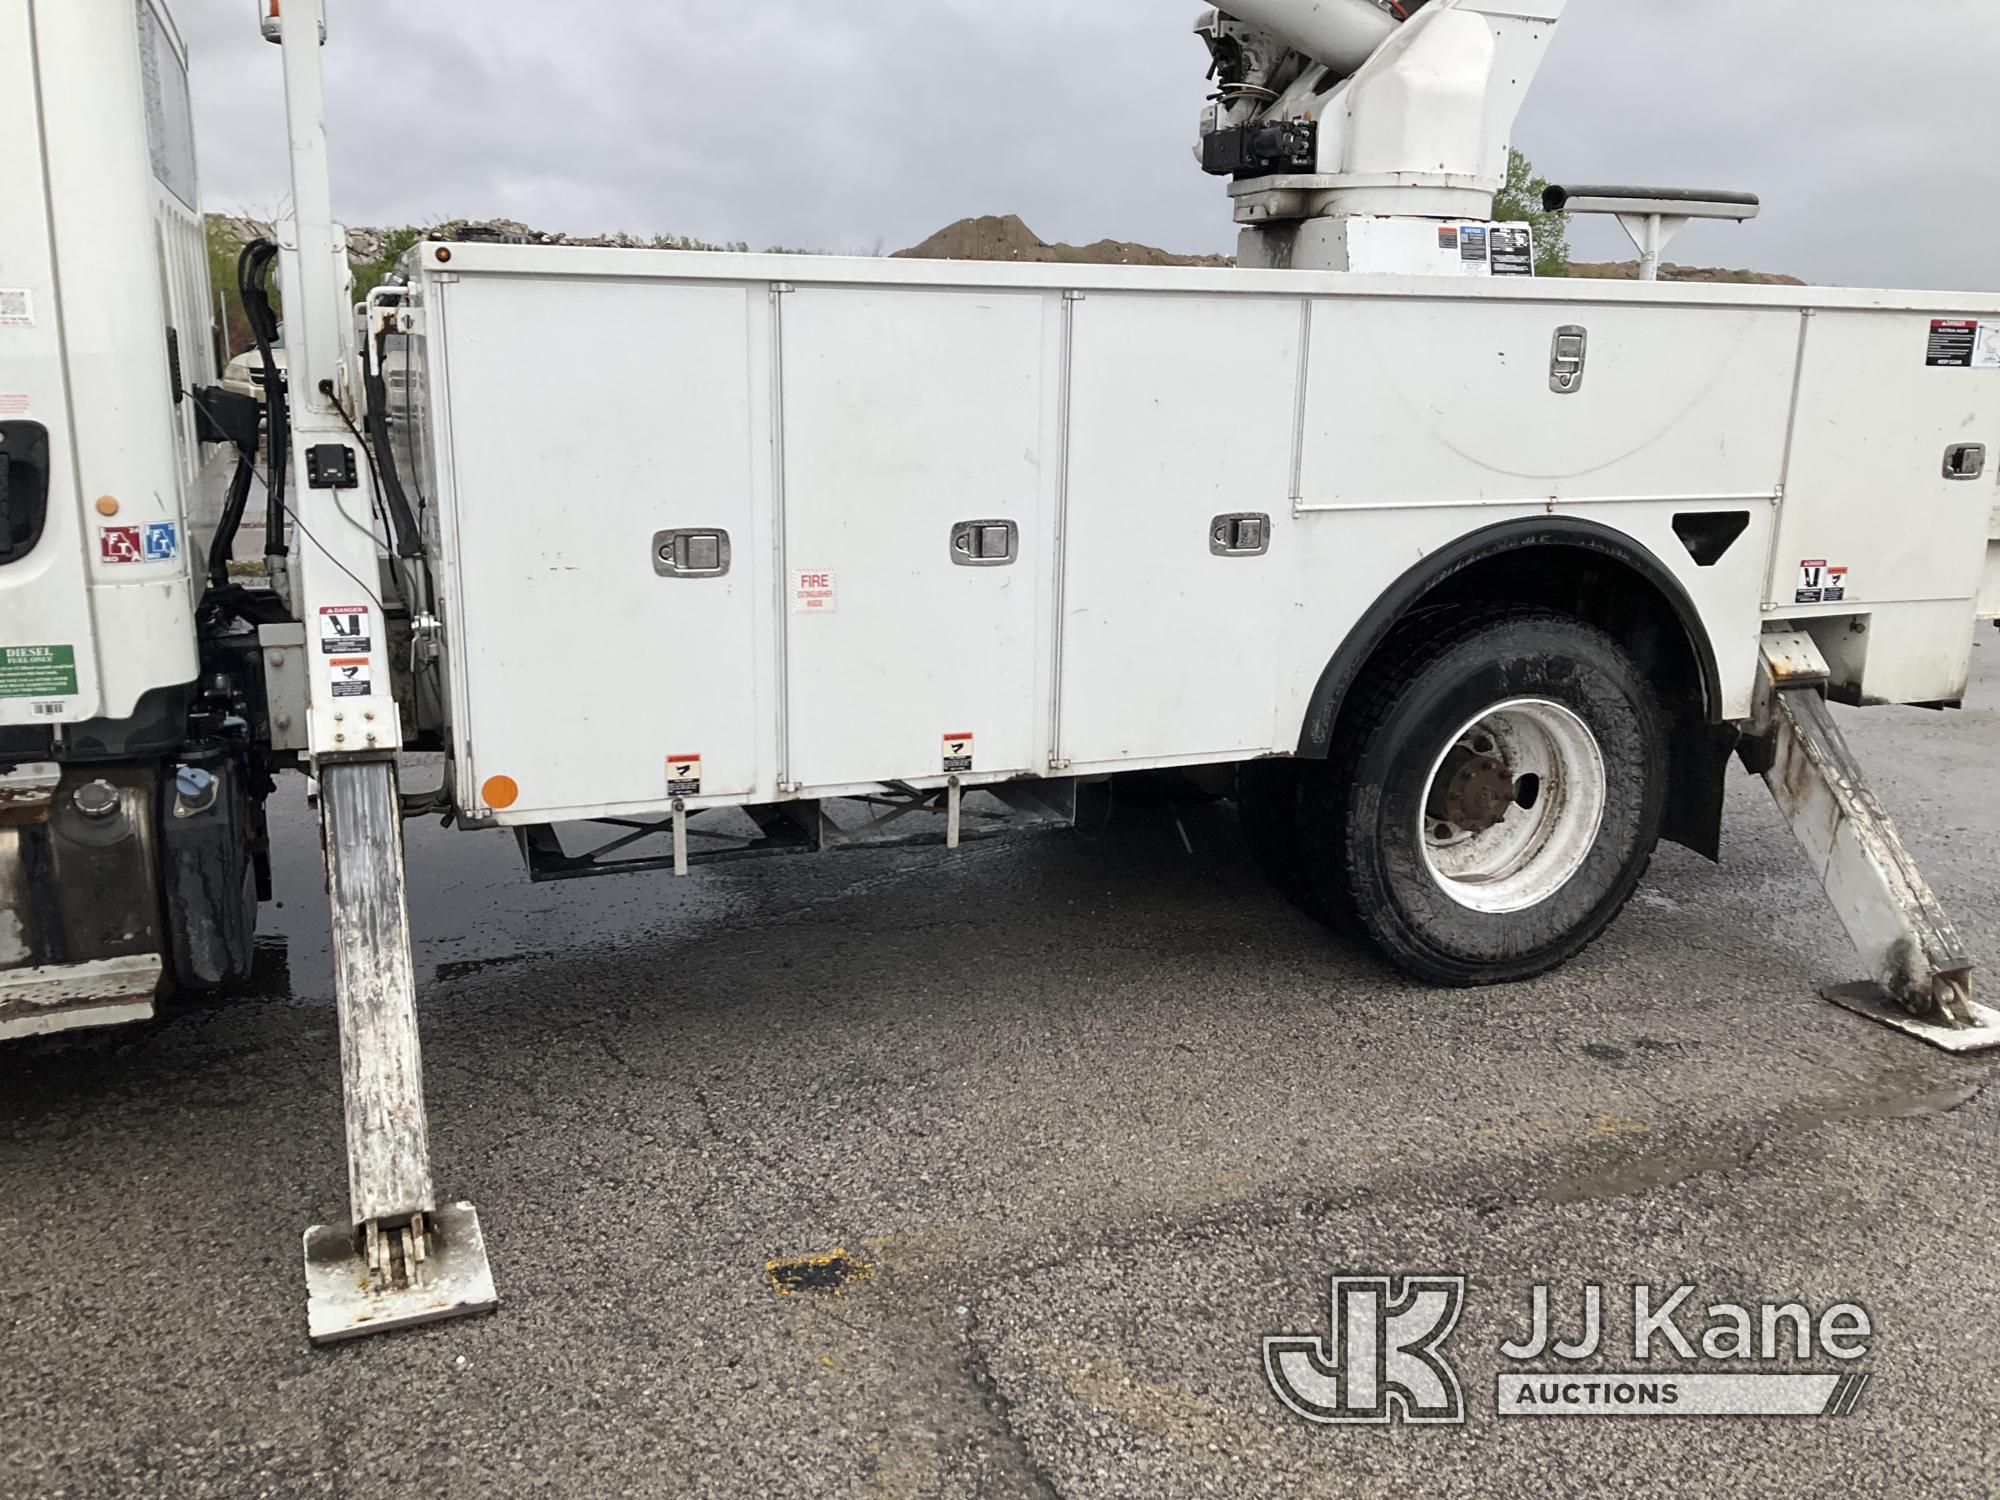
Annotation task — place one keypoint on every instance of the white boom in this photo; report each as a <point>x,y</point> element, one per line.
<point>1333,110</point>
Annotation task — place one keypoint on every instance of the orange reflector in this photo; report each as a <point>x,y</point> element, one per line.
<point>500,792</point>
<point>107,505</point>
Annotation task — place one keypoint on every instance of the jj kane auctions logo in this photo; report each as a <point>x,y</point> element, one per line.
<point>1383,1358</point>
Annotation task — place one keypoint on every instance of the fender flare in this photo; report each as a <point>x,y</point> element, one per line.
<point>1323,712</point>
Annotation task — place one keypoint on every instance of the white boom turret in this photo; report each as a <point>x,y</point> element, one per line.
<point>1329,113</point>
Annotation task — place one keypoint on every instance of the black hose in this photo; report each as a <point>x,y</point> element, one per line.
<point>222,545</point>
<point>403,521</point>
<point>252,270</point>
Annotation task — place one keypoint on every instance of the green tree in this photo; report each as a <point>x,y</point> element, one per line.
<point>369,274</point>
<point>1520,202</point>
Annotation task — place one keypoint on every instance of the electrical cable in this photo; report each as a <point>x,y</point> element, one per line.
<point>373,597</point>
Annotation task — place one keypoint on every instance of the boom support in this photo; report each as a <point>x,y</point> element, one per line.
<point>399,1262</point>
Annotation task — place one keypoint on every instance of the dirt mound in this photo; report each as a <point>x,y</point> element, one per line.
<point>1628,270</point>
<point>1005,237</point>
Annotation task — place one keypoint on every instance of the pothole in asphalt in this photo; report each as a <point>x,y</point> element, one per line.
<point>818,1275</point>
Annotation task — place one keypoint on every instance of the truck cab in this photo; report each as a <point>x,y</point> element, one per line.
<point>105,337</point>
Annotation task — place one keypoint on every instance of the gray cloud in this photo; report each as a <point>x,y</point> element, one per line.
<point>1870,129</point>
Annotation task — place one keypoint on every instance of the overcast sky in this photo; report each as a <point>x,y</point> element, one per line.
<point>1871,129</point>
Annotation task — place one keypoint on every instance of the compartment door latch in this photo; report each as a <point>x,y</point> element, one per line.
<point>697,552</point>
<point>985,544</point>
<point>1567,355</point>
<point>1965,461</point>
<point>1240,535</point>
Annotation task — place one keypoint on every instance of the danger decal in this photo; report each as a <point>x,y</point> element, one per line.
<point>1963,344</point>
<point>1820,582</point>
<point>344,630</point>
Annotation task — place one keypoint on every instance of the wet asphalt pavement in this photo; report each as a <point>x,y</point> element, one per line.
<point>1089,1114</point>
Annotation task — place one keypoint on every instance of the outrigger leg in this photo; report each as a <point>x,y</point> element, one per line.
<point>403,1260</point>
<point>1921,972</point>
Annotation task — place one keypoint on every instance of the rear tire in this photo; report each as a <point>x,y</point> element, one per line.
<point>1494,795</point>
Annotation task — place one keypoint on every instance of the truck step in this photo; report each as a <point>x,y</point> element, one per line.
<point>69,997</point>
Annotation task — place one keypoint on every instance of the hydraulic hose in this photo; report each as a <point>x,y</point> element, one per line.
<point>252,273</point>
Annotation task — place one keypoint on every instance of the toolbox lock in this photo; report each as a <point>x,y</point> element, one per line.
<point>1240,535</point>
<point>696,552</point>
<point>1965,461</point>
<point>1567,355</point>
<point>985,544</point>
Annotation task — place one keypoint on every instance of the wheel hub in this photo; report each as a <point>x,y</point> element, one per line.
<point>1472,792</point>
<point>1514,805</point>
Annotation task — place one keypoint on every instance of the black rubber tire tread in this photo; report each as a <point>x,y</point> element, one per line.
<point>1340,802</point>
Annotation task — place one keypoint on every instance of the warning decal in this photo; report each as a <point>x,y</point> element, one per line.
<point>344,630</point>
<point>1821,583</point>
<point>17,307</point>
<point>683,775</point>
<point>957,753</point>
<point>349,677</point>
<point>1963,344</point>
<point>37,672</point>
<point>815,593</point>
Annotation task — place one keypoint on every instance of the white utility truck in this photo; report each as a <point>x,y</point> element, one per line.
<point>1467,584</point>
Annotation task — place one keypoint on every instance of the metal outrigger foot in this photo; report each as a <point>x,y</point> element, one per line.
<point>1921,973</point>
<point>402,1260</point>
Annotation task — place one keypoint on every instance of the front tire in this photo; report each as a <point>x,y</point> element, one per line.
<point>1494,795</point>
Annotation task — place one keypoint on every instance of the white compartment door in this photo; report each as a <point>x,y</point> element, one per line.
<point>909,416</point>
<point>1182,412</point>
<point>588,418</point>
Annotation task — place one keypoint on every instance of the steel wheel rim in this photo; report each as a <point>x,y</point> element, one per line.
<point>1513,806</point>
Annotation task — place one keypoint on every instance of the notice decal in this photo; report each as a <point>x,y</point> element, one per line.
<point>37,672</point>
<point>1473,253</point>
<point>17,307</point>
<point>815,592</point>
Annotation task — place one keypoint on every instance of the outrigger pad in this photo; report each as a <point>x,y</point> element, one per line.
<point>1871,1000</point>
<point>455,1280</point>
